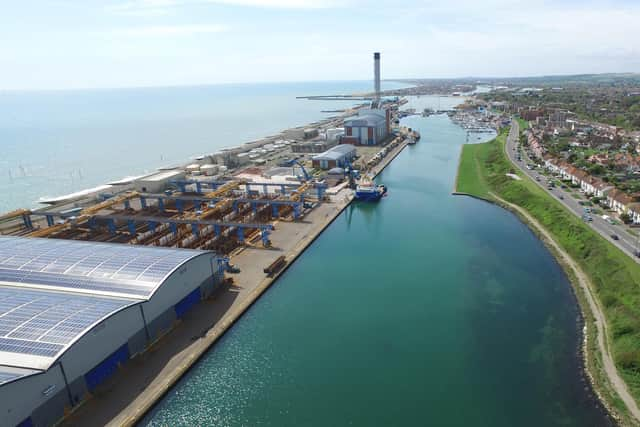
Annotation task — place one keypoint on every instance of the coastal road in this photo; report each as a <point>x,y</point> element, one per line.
<point>627,242</point>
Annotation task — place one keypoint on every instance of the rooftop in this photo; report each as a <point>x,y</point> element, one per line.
<point>54,291</point>
<point>88,267</point>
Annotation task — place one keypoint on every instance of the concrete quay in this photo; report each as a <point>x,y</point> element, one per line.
<point>142,382</point>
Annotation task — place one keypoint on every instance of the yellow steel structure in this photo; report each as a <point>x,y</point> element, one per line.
<point>14,214</point>
<point>108,203</point>
<point>84,214</point>
<point>44,232</point>
<point>224,189</point>
<point>295,197</point>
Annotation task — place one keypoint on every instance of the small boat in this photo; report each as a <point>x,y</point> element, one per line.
<point>369,192</point>
<point>411,140</point>
<point>416,135</point>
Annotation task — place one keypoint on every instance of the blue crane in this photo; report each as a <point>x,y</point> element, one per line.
<point>307,177</point>
<point>352,173</point>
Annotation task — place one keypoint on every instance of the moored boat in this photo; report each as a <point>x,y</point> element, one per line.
<point>370,192</point>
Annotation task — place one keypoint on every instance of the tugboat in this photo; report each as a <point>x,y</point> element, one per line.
<point>411,140</point>
<point>369,192</point>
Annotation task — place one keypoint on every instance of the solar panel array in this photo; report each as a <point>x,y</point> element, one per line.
<point>43,323</point>
<point>126,269</point>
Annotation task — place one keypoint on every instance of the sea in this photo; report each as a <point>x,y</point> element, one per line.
<point>57,142</point>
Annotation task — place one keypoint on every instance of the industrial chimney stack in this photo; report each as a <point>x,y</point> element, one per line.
<point>376,76</point>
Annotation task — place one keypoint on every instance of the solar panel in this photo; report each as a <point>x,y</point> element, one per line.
<point>90,266</point>
<point>43,323</point>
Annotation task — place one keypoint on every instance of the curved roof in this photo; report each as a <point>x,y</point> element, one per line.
<point>52,292</point>
<point>9,373</point>
<point>37,326</point>
<point>97,268</point>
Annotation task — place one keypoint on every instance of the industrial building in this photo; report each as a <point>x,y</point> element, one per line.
<point>337,156</point>
<point>372,125</point>
<point>71,312</point>
<point>369,127</point>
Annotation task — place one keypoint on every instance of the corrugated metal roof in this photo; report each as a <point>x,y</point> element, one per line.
<point>367,120</point>
<point>336,153</point>
<point>53,291</point>
<point>127,271</point>
<point>10,373</point>
<point>38,326</point>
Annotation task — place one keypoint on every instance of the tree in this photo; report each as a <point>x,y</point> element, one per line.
<point>625,217</point>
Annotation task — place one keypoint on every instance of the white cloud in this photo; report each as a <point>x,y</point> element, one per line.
<point>168,30</point>
<point>163,7</point>
<point>282,4</point>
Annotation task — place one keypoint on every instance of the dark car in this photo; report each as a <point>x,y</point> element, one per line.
<point>615,237</point>
<point>561,197</point>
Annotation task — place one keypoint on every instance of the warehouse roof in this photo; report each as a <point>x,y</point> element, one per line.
<point>336,153</point>
<point>364,120</point>
<point>53,291</point>
<point>88,267</point>
<point>37,326</point>
<point>9,373</point>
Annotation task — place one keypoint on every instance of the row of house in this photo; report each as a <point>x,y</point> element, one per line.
<point>535,143</point>
<point>615,199</point>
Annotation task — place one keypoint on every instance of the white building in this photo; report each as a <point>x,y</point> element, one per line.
<point>72,312</point>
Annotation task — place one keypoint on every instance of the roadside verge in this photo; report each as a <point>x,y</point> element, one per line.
<point>606,281</point>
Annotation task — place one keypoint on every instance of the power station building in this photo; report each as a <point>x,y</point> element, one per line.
<point>71,312</point>
<point>370,127</point>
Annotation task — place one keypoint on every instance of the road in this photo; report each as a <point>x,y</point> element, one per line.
<point>627,242</point>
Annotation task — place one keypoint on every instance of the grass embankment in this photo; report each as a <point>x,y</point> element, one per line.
<point>614,276</point>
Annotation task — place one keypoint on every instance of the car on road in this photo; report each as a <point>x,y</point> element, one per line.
<point>615,237</point>
<point>538,178</point>
<point>561,197</point>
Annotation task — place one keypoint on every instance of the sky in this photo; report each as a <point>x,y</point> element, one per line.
<point>63,44</point>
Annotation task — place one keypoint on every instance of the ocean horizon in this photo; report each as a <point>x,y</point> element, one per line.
<point>56,142</point>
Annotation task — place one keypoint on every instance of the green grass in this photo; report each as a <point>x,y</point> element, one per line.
<point>523,124</point>
<point>614,275</point>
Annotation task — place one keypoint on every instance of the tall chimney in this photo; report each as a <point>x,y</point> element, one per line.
<point>376,76</point>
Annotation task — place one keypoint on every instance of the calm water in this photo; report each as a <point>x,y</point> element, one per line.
<point>54,143</point>
<point>425,309</point>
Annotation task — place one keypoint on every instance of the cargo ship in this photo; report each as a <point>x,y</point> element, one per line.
<point>370,192</point>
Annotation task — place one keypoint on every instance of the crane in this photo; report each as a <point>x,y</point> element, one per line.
<point>353,174</point>
<point>306,176</point>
